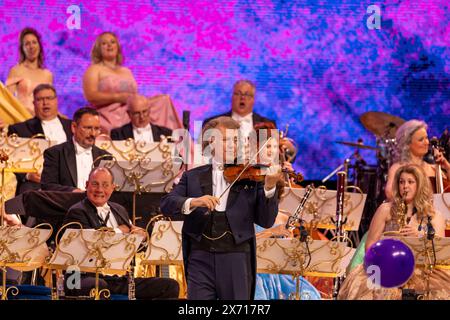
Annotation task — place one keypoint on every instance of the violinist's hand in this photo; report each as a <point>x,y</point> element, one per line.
<point>138,231</point>
<point>209,202</point>
<point>272,177</point>
<point>409,231</point>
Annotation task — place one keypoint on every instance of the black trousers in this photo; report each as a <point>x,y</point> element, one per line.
<point>145,288</point>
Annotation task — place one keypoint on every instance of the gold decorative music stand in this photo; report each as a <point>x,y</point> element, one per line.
<point>96,251</point>
<point>317,258</point>
<point>165,249</point>
<point>320,210</point>
<point>140,167</point>
<point>23,249</point>
<point>20,155</point>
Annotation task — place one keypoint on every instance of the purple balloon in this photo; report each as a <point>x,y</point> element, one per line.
<point>394,259</point>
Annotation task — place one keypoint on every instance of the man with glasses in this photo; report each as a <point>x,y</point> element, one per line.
<point>46,122</point>
<point>67,165</point>
<point>140,128</point>
<point>242,103</point>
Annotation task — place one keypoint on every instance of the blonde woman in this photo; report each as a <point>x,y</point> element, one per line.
<point>412,185</point>
<point>107,84</point>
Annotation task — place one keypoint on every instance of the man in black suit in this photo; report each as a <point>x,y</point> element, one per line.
<point>67,165</point>
<point>95,212</point>
<point>47,122</point>
<point>242,103</point>
<point>218,235</point>
<point>140,127</point>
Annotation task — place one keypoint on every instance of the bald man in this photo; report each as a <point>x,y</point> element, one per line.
<point>140,128</point>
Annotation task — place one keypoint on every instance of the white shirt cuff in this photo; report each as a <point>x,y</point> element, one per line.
<point>185,210</point>
<point>117,230</point>
<point>269,194</point>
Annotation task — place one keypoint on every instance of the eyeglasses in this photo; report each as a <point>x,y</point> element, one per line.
<point>137,114</point>
<point>245,94</point>
<point>42,99</point>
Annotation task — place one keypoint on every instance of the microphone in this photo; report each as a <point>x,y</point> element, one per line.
<point>186,119</point>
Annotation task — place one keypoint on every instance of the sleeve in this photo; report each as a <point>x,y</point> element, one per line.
<point>50,179</point>
<point>172,203</point>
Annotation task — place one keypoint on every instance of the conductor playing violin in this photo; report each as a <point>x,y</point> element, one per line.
<point>218,235</point>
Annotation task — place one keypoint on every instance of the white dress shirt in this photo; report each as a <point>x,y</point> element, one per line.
<point>219,186</point>
<point>53,130</point>
<point>112,222</point>
<point>143,134</point>
<point>245,122</point>
<point>84,164</point>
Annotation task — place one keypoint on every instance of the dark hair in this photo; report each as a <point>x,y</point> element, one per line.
<point>43,86</point>
<point>22,56</point>
<point>82,111</point>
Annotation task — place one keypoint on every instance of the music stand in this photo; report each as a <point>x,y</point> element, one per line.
<point>318,258</point>
<point>141,167</point>
<point>96,251</point>
<point>320,210</point>
<point>165,248</point>
<point>23,249</point>
<point>442,204</point>
<point>20,155</point>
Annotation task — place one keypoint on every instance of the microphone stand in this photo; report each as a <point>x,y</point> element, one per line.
<point>431,261</point>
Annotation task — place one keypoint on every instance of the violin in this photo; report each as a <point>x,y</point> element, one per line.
<point>256,172</point>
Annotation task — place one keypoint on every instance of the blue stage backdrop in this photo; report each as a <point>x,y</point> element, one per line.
<point>318,65</point>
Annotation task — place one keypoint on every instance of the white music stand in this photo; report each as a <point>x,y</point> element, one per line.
<point>97,251</point>
<point>23,249</point>
<point>290,256</point>
<point>321,207</point>
<point>442,204</point>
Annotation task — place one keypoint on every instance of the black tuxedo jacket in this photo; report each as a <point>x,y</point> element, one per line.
<point>86,214</point>
<point>60,166</point>
<point>256,118</point>
<point>126,132</point>
<point>31,127</point>
<point>28,129</point>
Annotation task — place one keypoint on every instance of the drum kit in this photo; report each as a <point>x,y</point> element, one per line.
<point>371,179</point>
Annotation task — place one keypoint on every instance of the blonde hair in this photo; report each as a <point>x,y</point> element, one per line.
<point>423,200</point>
<point>96,52</point>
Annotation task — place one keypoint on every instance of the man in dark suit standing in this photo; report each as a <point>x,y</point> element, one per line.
<point>95,212</point>
<point>140,128</point>
<point>46,122</point>
<point>218,234</point>
<point>67,165</point>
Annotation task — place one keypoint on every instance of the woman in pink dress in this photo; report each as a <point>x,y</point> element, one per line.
<point>30,71</point>
<point>107,84</point>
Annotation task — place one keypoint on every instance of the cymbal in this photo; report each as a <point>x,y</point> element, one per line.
<point>357,145</point>
<point>381,124</point>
